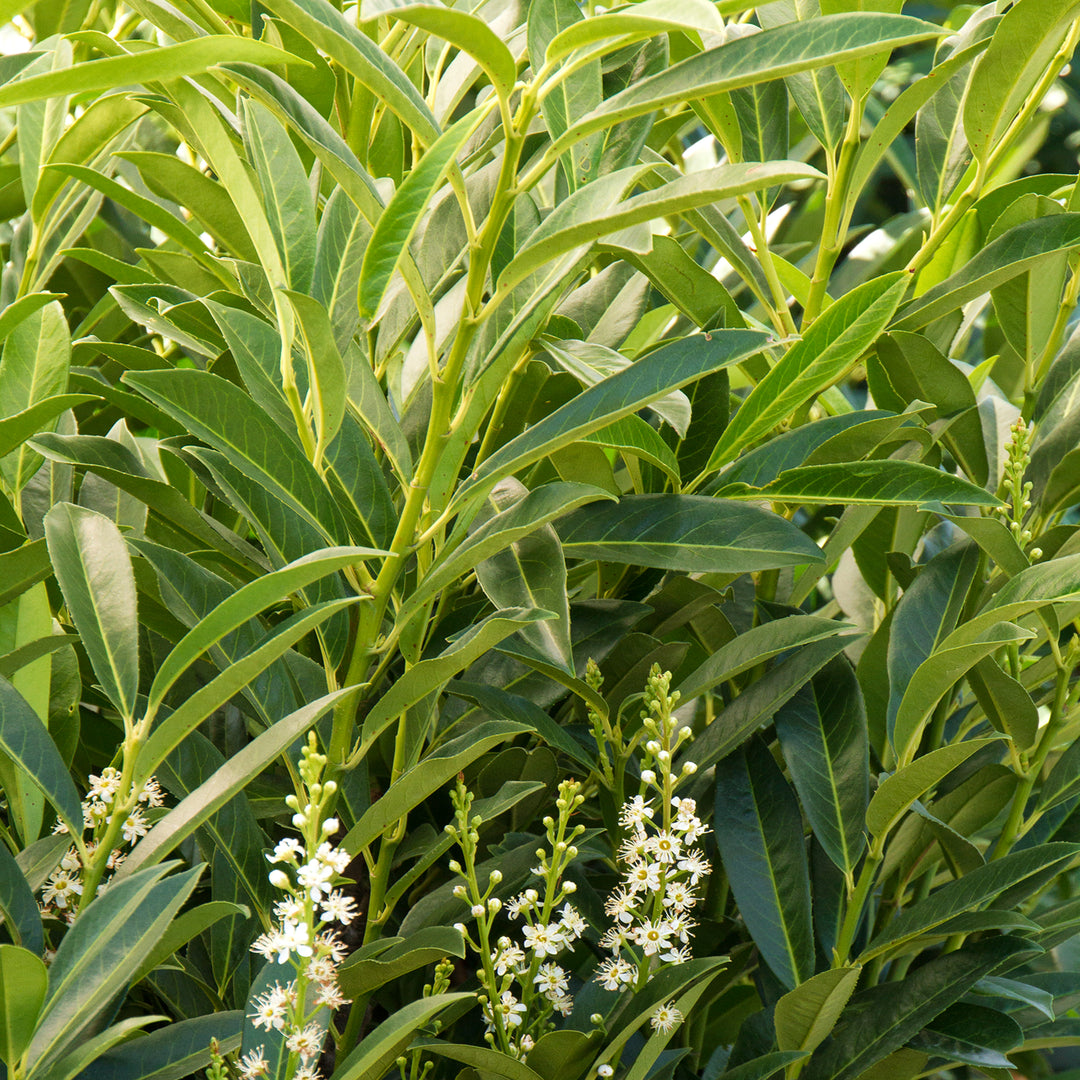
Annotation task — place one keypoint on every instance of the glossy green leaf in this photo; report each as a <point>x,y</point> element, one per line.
<point>100,953</point>
<point>186,926</point>
<point>772,54</point>
<point>381,1047</point>
<point>968,893</point>
<point>1017,251</point>
<point>1024,43</point>
<point>344,234</point>
<point>18,908</point>
<point>667,368</point>
<point>22,568</point>
<point>826,352</point>
<point>151,65</point>
<point>23,308</point>
<point>16,429</point>
<point>243,605</point>
<point>398,222</point>
<point>172,1052</point>
<point>238,771</point>
<point>361,974</point>
<point>823,737</point>
<point>895,795</point>
<point>23,985</point>
<point>1007,705</point>
<point>805,1016</point>
<point>221,414</point>
<point>575,223</point>
<point>868,483</point>
<point>92,565</point>
<point>1063,781</point>
<point>761,845</point>
<point>686,532</point>
<point>634,437</point>
<point>882,1019</point>
<point>764,1067</point>
<point>431,675</point>
<point>326,369</point>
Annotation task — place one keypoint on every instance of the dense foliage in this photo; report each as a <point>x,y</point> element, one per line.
<point>538,541</point>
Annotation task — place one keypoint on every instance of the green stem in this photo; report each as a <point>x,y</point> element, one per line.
<point>779,314</point>
<point>856,901</point>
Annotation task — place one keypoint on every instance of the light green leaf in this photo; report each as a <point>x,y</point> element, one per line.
<point>23,308</point>
<point>22,568</point>
<point>17,429</point>
<point>326,370</point>
<point>806,1015</point>
<point>398,222</point>
<point>210,796</point>
<point>18,909</point>
<point>895,795</point>
<point>149,65</point>
<point>826,352</point>
<point>361,974</point>
<point>686,532</point>
<point>634,437</point>
<point>92,565</point>
<point>23,985</point>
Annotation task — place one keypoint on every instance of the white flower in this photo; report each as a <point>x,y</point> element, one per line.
<point>694,864</point>
<point>615,974</point>
<point>307,1042</point>
<point>665,1018</point>
<point>151,793</point>
<point>294,938</point>
<point>269,1011</point>
<point>643,876</point>
<point>333,857</point>
<point>517,905</point>
<point>680,926</point>
<point>664,847</point>
<point>634,813</point>
<point>63,886</point>
<point>105,786</point>
<point>634,848</point>
<point>571,923</point>
<point>543,940</point>
<point>510,958</point>
<point>652,936</point>
<point>287,850</point>
<point>71,861</point>
<point>620,906</point>
<point>314,876</point>
<point>510,1009</point>
<point>552,980</point>
<point>677,956</point>
<point>331,996</point>
<point>679,896</point>
<point>330,943</point>
<point>563,1005</point>
<point>253,1065</point>
<point>289,907</point>
<point>338,907</point>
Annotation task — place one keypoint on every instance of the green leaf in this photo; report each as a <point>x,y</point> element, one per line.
<point>23,568</point>
<point>361,974</point>
<point>686,532</point>
<point>431,675</point>
<point>1007,705</point>
<point>149,65</point>
<point>341,40</point>
<point>100,953</point>
<point>975,888</point>
<point>1063,782</point>
<point>805,1016</point>
<point>25,739</point>
<point>530,513</point>
<point>92,565</point>
<point>224,416</point>
<point>761,845</point>
<point>287,198</point>
<point>823,737</point>
<point>826,352</point>
<point>381,1047</point>
<point>326,370</point>
<point>170,732</point>
<point>398,222</point>
<point>468,33</point>
<point>575,221</point>
<point>772,54</point>
<point>238,771</point>
<point>23,308</point>
<point>634,437</point>
<point>15,430</point>
<point>23,985</point>
<point>764,1067</point>
<point>489,1062</point>
<point>1024,43</point>
<point>186,926</point>
<point>344,234</point>
<point>868,483</point>
<point>882,1019</point>
<point>177,1050</point>
<point>18,908</point>
<point>245,603</point>
<point>754,646</point>
<point>1017,251</point>
<point>895,795</point>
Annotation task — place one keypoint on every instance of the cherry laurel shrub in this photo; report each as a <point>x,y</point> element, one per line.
<point>539,540</point>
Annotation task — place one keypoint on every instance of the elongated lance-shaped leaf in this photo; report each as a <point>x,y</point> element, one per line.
<point>171,731</point>
<point>686,193</point>
<point>895,795</point>
<point>1024,43</point>
<point>632,23</point>
<point>244,604</point>
<point>329,30</point>
<point>18,907</point>
<point>772,54</point>
<point>764,855</point>
<point>24,982</point>
<point>806,1015</point>
<point>91,563</point>
<point>23,308</point>
<point>152,65</point>
<point>399,220</point>
<point>17,429</point>
<point>828,349</point>
<point>1017,251</point>
<point>326,369</point>
<point>667,368</point>
<point>867,483</point>
<point>237,771</point>
<point>686,532</point>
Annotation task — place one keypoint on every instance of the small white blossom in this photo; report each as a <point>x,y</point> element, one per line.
<point>665,1018</point>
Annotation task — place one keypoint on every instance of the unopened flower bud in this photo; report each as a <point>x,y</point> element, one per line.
<point>330,788</point>
<point>330,826</point>
<point>279,879</point>
<point>477,910</point>
<point>495,878</point>
<point>455,866</point>
<point>494,904</point>
<point>569,887</point>
<point>689,768</point>
<point>459,891</point>
<point>648,776</point>
<point>299,820</point>
<point>292,802</point>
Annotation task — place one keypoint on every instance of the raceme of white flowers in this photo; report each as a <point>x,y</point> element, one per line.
<point>64,888</point>
<point>304,937</point>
